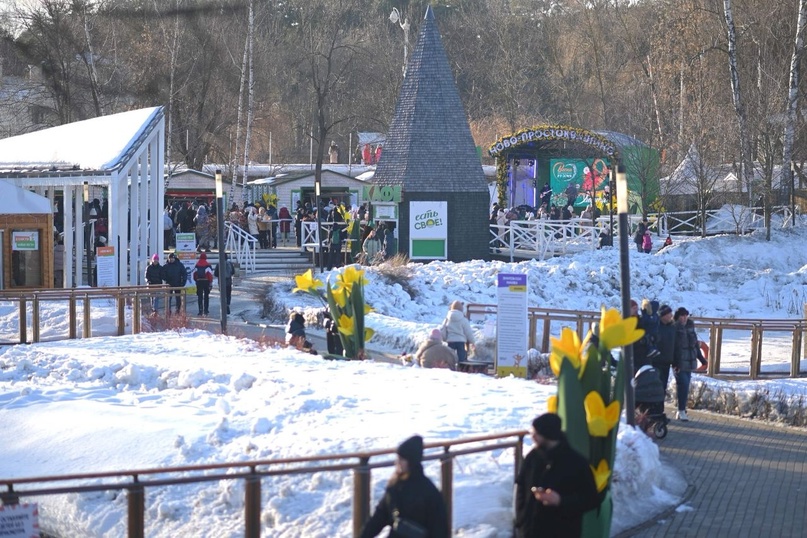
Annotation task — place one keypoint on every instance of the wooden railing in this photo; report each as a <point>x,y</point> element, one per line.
<point>582,321</point>
<point>138,297</point>
<point>136,482</point>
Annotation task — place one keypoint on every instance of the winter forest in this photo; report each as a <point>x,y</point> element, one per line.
<point>274,81</point>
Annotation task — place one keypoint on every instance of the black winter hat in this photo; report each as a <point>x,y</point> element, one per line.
<point>412,449</point>
<point>548,426</point>
<point>664,310</point>
<point>681,312</point>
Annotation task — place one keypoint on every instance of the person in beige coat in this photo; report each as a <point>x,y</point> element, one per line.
<point>457,332</point>
<point>434,354</point>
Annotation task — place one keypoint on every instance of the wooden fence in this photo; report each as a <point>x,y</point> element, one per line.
<point>138,297</point>
<point>756,328</point>
<point>136,482</point>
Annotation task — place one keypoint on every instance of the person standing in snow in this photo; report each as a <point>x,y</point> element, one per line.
<point>456,330</point>
<point>227,274</point>
<point>203,277</point>
<point>154,277</point>
<point>412,505</point>
<point>175,275</point>
<point>686,343</point>
<point>555,486</point>
<point>647,242</point>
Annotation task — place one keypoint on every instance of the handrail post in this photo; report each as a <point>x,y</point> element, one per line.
<point>10,497</point>
<point>795,354</point>
<point>136,307</point>
<point>35,319</point>
<point>87,329</point>
<point>71,313</point>
<point>519,457</point>
<point>137,509</point>
<point>361,495</point>
<point>447,484</point>
<point>121,303</point>
<point>23,321</point>
<point>533,321</point>
<point>252,506</point>
<point>545,336</point>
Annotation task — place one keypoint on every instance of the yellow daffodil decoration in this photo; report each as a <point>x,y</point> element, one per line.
<point>345,301</point>
<point>589,401</point>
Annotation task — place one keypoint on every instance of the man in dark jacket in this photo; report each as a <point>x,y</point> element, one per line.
<point>203,277</point>
<point>555,485</point>
<point>665,344</point>
<point>410,498</point>
<point>174,275</point>
<point>687,343</point>
<point>229,271</point>
<point>154,277</point>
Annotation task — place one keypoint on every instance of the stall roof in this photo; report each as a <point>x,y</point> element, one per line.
<point>17,201</point>
<point>100,144</point>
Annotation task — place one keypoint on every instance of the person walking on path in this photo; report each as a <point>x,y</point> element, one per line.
<point>686,342</point>
<point>555,485</point>
<point>456,331</point>
<point>203,277</point>
<point>665,345</point>
<point>412,505</point>
<point>174,275</point>
<point>154,277</point>
<point>229,271</point>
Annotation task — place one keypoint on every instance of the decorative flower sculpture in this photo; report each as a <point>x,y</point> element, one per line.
<point>345,301</point>
<point>589,401</point>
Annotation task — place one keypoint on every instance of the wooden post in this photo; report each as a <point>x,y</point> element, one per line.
<point>136,307</point>
<point>137,504</point>
<point>252,506</point>
<point>795,355</point>
<point>87,333</point>
<point>71,308</point>
<point>361,495</point>
<point>717,350</point>
<point>23,321</point>
<point>533,321</point>
<point>447,484</point>
<point>35,319</point>
<point>545,336</point>
<point>121,303</point>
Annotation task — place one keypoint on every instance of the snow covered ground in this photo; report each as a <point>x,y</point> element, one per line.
<point>189,397</point>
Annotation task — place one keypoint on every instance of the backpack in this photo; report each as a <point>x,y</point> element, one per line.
<point>200,274</point>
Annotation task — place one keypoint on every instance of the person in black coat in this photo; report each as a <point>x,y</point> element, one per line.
<point>665,345</point>
<point>555,485</point>
<point>687,350</point>
<point>410,497</point>
<point>175,275</point>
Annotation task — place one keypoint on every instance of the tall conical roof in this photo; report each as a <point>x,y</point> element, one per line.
<point>429,147</point>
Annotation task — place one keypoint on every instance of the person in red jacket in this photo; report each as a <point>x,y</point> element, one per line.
<point>203,277</point>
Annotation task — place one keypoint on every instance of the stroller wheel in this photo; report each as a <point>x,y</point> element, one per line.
<point>660,430</point>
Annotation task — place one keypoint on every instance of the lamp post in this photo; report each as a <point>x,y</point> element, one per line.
<point>87,234</point>
<point>611,186</point>
<point>624,270</point>
<point>222,252</point>
<point>318,202</point>
<point>397,18</point>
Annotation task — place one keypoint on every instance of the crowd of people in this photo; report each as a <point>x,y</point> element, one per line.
<point>174,274</point>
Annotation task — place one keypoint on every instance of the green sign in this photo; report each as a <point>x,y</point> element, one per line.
<point>589,176</point>
<point>382,193</point>
<point>428,248</point>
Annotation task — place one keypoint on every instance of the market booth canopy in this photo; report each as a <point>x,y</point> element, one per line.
<point>17,201</point>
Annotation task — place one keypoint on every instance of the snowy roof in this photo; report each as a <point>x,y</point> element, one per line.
<point>371,138</point>
<point>100,144</point>
<point>17,201</point>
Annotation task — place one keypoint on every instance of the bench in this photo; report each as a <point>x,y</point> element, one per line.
<point>475,367</point>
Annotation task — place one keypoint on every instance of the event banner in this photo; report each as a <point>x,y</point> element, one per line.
<point>27,240</point>
<point>512,338</point>
<point>589,177</point>
<point>428,230</point>
<point>186,242</point>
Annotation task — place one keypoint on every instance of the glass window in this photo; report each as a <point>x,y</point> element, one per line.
<point>26,258</point>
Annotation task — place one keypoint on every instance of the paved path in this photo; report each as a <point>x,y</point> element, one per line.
<point>747,479</point>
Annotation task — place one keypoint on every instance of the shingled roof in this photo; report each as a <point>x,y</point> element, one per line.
<point>429,147</point>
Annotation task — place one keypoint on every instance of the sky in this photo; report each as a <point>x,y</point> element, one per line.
<point>189,397</point>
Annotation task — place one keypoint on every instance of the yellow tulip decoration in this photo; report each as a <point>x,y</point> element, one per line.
<point>589,401</point>
<point>345,301</point>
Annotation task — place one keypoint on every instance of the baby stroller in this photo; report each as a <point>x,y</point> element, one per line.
<point>649,394</point>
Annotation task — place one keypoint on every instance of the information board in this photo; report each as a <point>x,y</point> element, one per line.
<point>512,339</point>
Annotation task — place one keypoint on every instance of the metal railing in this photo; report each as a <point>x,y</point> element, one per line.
<point>756,328</point>
<point>136,482</point>
<point>242,245</point>
<point>139,298</point>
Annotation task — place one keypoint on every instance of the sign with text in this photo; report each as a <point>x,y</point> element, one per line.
<point>107,266</point>
<point>382,193</point>
<point>428,230</point>
<point>512,338</point>
<point>19,521</point>
<point>25,240</point>
<point>186,242</point>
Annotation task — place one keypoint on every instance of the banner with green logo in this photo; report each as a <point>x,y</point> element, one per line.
<point>428,230</point>
<point>588,175</point>
<point>25,240</point>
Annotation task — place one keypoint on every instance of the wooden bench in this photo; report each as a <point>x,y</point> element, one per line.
<point>475,367</point>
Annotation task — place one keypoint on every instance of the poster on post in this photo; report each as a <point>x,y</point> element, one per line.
<point>106,267</point>
<point>186,242</point>
<point>19,521</point>
<point>428,230</point>
<point>512,338</point>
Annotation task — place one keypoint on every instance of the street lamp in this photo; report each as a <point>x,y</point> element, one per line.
<point>222,252</point>
<point>88,223</point>
<point>624,270</point>
<point>318,205</point>
<point>397,18</point>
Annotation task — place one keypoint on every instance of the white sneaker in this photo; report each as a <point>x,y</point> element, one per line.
<point>682,416</point>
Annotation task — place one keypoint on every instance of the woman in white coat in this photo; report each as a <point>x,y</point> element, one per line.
<point>456,331</point>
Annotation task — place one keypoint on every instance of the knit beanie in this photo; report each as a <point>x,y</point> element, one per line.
<point>436,334</point>
<point>548,426</point>
<point>412,449</point>
<point>155,258</point>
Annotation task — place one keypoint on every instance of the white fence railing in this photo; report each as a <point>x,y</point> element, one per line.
<point>242,245</point>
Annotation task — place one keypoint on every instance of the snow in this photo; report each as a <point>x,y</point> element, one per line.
<point>189,397</point>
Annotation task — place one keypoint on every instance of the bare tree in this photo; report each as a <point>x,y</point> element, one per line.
<point>792,104</point>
